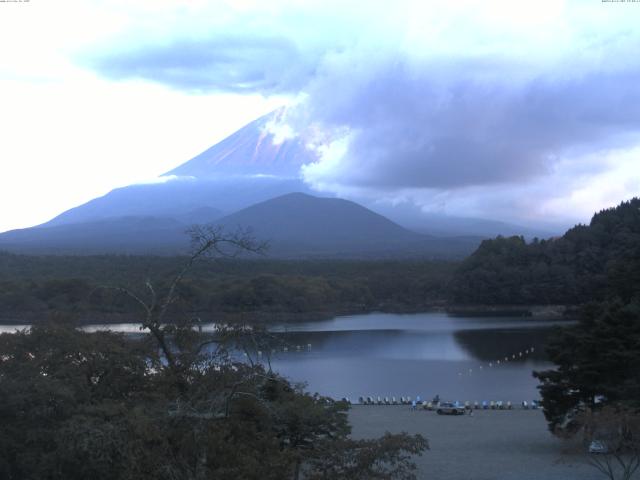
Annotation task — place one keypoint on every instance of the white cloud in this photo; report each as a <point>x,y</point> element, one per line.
<point>69,135</point>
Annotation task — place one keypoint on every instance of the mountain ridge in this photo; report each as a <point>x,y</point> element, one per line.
<point>298,225</point>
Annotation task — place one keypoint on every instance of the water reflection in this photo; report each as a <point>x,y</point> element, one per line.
<point>426,322</point>
<point>493,345</point>
<point>420,354</point>
<point>389,344</point>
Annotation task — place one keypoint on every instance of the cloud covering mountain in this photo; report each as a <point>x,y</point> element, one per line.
<point>254,164</point>
<point>492,109</point>
<point>525,112</point>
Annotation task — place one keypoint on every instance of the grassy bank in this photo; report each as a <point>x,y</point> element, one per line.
<point>490,445</point>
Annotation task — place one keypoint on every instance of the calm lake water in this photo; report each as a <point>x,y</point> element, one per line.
<point>417,354</point>
<point>423,354</point>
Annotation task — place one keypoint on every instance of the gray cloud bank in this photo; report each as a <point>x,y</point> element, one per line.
<point>219,63</point>
<point>413,121</point>
<point>457,125</point>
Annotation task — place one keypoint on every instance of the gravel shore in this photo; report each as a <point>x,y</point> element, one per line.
<point>489,445</point>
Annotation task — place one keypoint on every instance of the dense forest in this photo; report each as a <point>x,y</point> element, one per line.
<point>33,286</point>
<point>594,388</point>
<point>589,262</point>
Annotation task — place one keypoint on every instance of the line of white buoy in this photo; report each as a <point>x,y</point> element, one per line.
<point>500,361</point>
<point>297,348</point>
<point>284,349</point>
<point>433,405</point>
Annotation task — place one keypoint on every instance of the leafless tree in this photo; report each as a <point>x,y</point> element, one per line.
<point>207,241</point>
<point>613,436</point>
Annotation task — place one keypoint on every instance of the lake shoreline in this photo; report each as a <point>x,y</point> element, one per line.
<point>531,312</point>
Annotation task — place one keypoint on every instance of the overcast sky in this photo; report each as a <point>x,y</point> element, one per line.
<point>522,111</point>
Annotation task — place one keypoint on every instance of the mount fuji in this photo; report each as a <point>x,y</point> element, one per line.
<point>247,180</point>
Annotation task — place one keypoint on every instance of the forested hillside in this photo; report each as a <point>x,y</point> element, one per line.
<point>32,287</point>
<point>589,262</point>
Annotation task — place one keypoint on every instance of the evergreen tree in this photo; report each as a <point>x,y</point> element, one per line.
<point>598,364</point>
<point>587,263</point>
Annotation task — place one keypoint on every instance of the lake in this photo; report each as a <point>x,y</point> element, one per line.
<point>376,354</point>
<point>423,354</point>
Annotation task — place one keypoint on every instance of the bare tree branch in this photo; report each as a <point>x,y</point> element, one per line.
<point>206,241</point>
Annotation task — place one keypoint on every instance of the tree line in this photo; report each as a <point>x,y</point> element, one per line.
<point>594,389</point>
<point>31,287</point>
<point>589,262</point>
